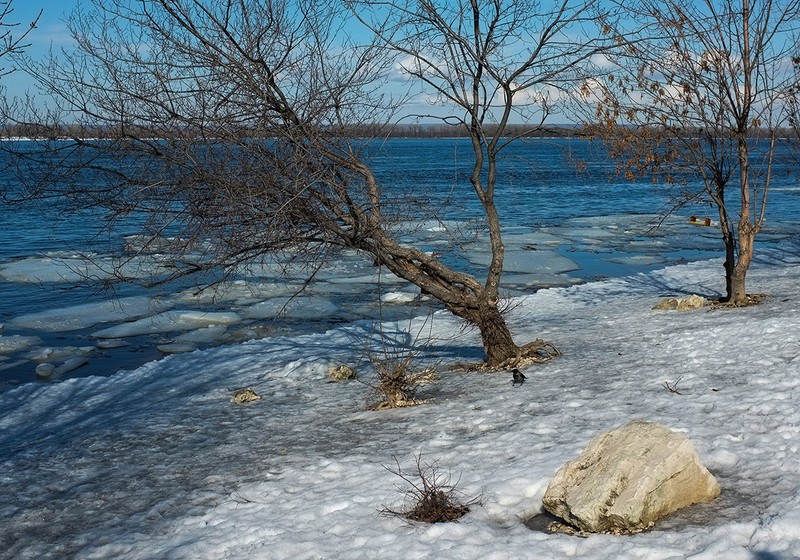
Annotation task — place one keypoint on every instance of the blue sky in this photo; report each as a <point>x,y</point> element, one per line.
<point>51,31</point>
<point>51,26</point>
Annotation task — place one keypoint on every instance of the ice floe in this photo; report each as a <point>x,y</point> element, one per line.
<point>169,321</point>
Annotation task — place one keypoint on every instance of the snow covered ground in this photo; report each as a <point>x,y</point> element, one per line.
<point>156,463</point>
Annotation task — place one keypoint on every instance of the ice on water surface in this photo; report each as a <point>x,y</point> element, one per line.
<point>14,343</point>
<point>71,268</point>
<point>300,307</point>
<point>89,314</point>
<point>169,321</point>
<point>237,292</point>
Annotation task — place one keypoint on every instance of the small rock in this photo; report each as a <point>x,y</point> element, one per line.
<point>681,304</point>
<point>243,396</point>
<point>341,373</point>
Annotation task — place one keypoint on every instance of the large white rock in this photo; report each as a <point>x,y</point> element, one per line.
<point>628,478</point>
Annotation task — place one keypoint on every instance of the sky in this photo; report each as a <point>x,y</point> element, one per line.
<point>51,31</point>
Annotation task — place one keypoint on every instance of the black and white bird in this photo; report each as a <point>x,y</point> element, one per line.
<point>517,377</point>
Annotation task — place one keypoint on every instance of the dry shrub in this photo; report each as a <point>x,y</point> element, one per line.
<point>397,385</point>
<point>430,497</point>
<point>398,374</point>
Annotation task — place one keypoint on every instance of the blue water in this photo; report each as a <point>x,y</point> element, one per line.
<point>562,187</point>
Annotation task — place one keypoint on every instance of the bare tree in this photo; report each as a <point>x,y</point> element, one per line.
<point>487,61</point>
<point>10,43</point>
<point>238,126</point>
<point>699,91</point>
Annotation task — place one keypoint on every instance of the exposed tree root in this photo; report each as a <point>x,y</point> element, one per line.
<point>535,352</point>
<point>752,299</point>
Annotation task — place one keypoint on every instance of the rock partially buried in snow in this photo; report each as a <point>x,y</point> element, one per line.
<point>681,304</point>
<point>341,373</point>
<point>628,478</point>
<point>243,396</point>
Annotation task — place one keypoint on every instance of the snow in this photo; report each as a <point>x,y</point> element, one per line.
<point>157,463</point>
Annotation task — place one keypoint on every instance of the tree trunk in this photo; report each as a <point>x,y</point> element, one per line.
<point>498,343</point>
<point>730,265</point>
<point>747,234</point>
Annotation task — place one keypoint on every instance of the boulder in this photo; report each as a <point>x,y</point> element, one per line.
<point>628,478</point>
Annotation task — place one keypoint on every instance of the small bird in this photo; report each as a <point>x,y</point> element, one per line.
<point>517,377</point>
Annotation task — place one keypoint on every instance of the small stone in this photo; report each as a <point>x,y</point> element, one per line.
<point>341,373</point>
<point>424,377</point>
<point>681,304</point>
<point>243,396</point>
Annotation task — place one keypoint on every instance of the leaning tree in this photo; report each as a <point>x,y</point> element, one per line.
<point>699,91</point>
<point>239,126</point>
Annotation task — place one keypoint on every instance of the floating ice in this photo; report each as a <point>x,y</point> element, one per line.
<point>205,335</point>
<point>34,270</point>
<point>545,262</point>
<point>90,314</point>
<point>302,307</point>
<point>10,365</point>
<point>398,297</point>
<point>58,353</point>
<point>69,365</point>
<point>15,343</point>
<point>168,321</point>
<point>533,239</point>
<point>176,347</point>
<point>111,343</point>
<point>239,292</point>
<point>45,371</point>
<point>48,370</point>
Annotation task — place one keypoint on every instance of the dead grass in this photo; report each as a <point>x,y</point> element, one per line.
<point>431,497</point>
<point>397,385</point>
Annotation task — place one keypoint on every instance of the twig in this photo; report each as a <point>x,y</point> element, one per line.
<point>673,388</point>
